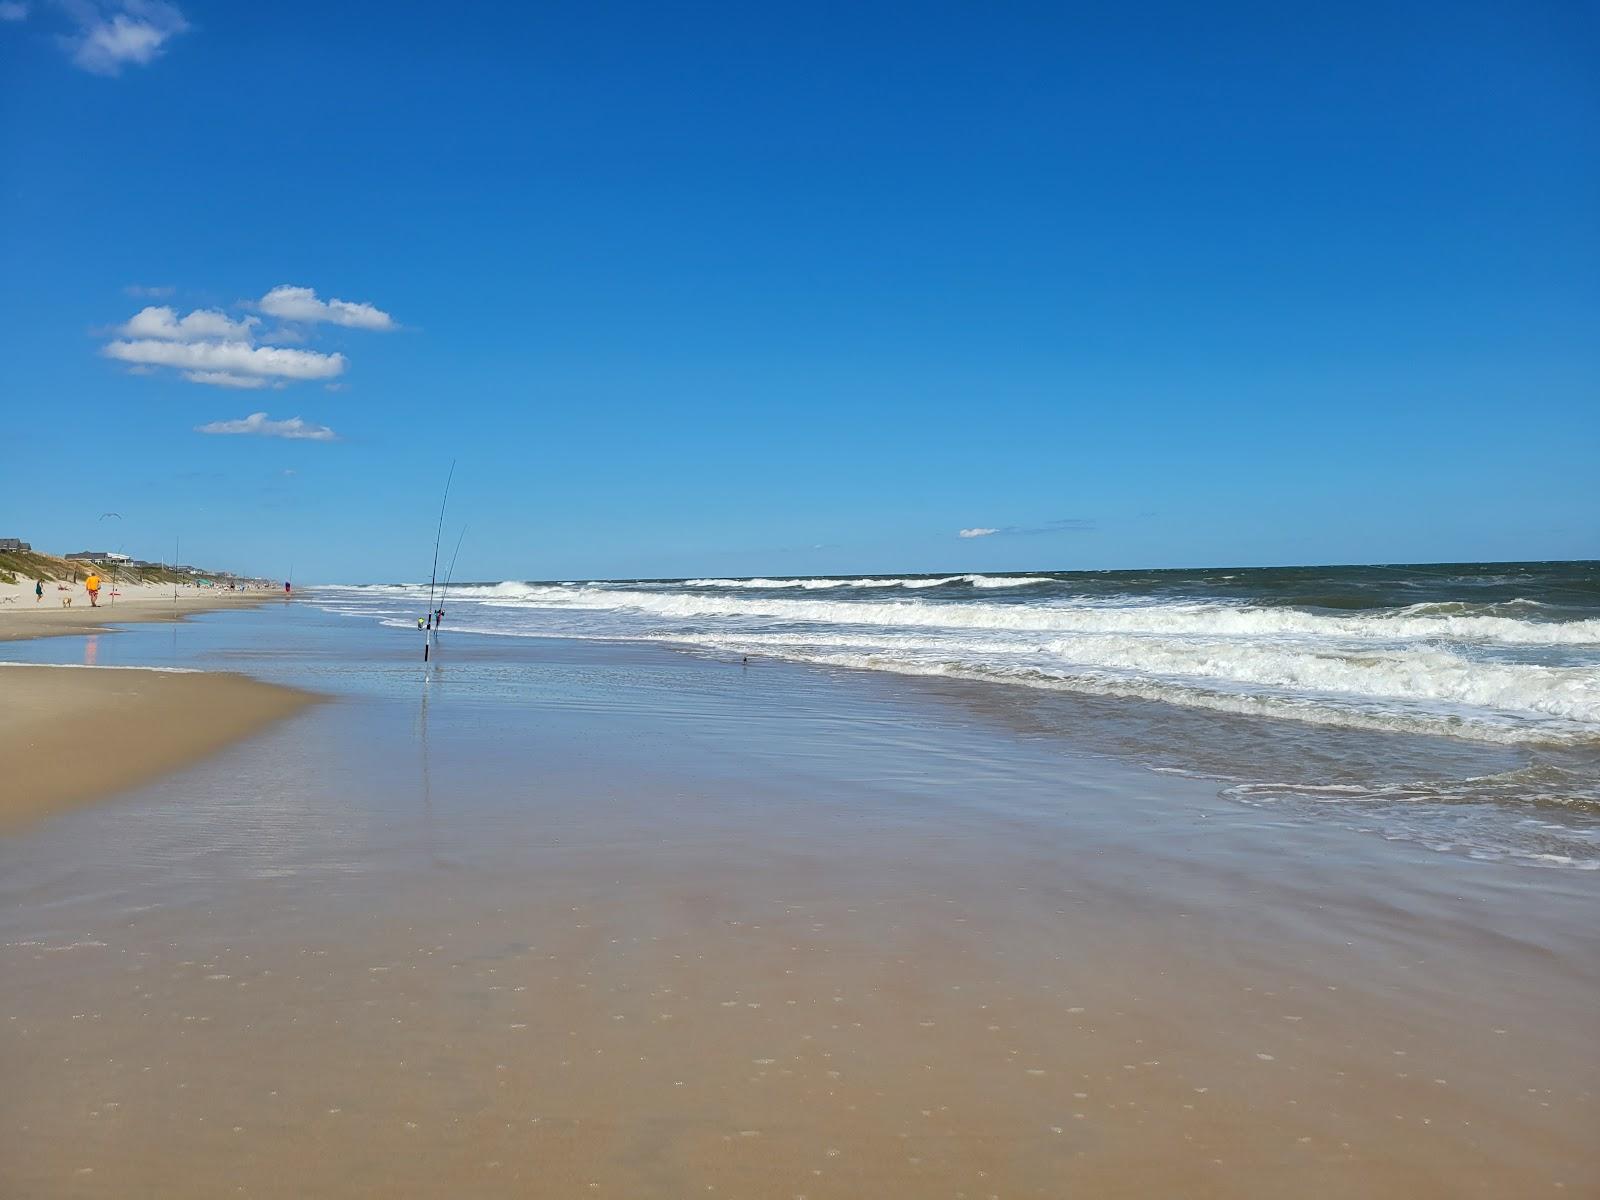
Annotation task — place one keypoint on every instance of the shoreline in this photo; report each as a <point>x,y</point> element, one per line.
<point>24,619</point>
<point>132,724</point>
<point>77,735</point>
<point>613,919</point>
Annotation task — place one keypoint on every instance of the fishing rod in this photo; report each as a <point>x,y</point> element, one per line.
<point>433,579</point>
<point>451,573</point>
<point>435,617</point>
<point>113,570</point>
<point>116,577</point>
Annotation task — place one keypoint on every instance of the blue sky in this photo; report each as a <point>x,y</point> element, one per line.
<point>790,289</point>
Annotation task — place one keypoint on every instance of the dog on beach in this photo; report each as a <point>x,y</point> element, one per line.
<point>66,602</point>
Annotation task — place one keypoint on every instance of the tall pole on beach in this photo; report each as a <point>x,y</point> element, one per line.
<point>112,570</point>
<point>433,578</point>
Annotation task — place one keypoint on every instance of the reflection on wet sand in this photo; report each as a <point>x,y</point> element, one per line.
<point>584,923</point>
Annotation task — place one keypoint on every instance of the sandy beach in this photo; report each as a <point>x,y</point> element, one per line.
<point>21,616</point>
<point>575,919</point>
<point>71,735</point>
<point>751,602</point>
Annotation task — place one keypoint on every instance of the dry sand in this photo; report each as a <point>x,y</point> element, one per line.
<point>21,616</point>
<point>70,735</point>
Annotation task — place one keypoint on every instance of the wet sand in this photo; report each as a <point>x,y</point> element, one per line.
<point>71,736</point>
<point>581,920</point>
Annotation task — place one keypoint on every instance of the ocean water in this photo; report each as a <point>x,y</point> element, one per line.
<point>1457,705</point>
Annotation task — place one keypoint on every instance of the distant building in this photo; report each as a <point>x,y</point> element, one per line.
<point>13,544</point>
<point>88,555</point>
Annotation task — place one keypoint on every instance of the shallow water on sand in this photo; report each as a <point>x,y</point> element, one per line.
<point>1455,706</point>
<point>575,919</point>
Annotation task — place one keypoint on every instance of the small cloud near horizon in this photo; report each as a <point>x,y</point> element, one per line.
<point>113,33</point>
<point>139,292</point>
<point>261,425</point>
<point>1062,525</point>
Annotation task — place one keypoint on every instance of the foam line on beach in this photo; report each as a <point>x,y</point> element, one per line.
<point>104,667</point>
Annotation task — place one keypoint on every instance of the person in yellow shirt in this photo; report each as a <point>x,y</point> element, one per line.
<point>93,585</point>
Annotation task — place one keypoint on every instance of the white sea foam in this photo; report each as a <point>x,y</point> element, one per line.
<point>910,583</point>
<point>1005,581</point>
<point>1468,661</point>
<point>1187,619</point>
<point>1501,672</point>
<point>1510,705</point>
<point>105,667</point>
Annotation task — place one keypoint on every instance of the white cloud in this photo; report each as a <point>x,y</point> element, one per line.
<point>208,345</point>
<point>153,293</point>
<point>112,34</point>
<point>225,379</point>
<point>204,324</point>
<point>1060,525</point>
<point>261,425</point>
<point>289,303</point>
<point>13,10</point>
<point>234,358</point>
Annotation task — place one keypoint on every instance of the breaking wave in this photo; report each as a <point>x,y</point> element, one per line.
<point>1191,619</point>
<point>909,583</point>
<point>1487,662</point>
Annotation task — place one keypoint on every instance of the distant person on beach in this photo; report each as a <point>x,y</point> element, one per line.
<point>92,585</point>
<point>38,590</point>
<point>286,588</point>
